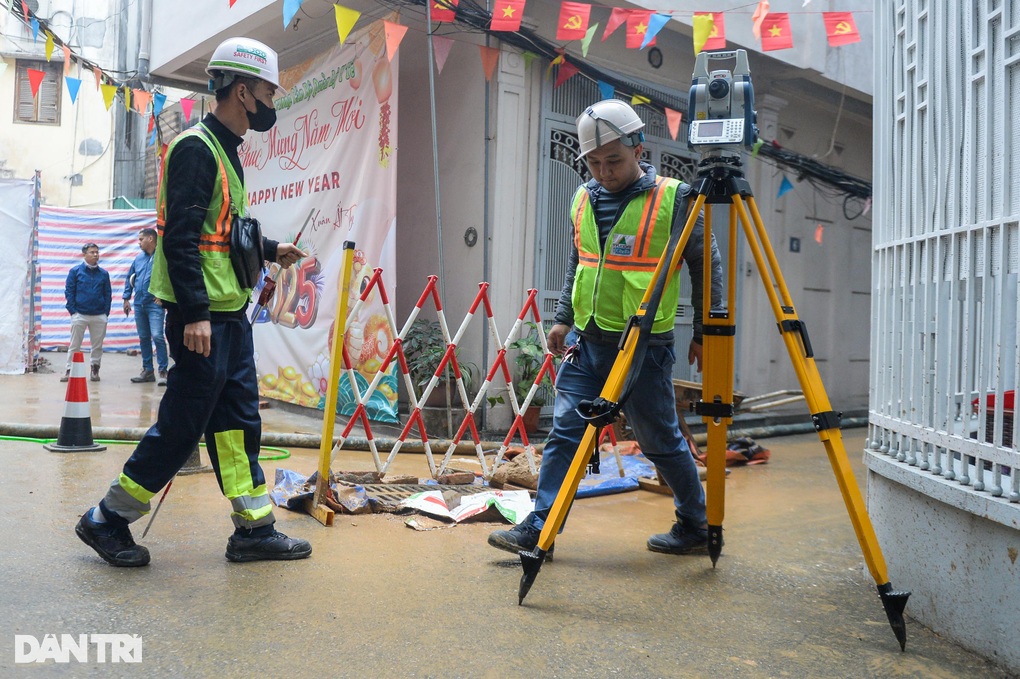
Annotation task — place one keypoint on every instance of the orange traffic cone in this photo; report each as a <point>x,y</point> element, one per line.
<point>76,425</point>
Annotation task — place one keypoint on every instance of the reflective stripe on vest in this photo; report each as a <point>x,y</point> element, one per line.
<point>610,282</point>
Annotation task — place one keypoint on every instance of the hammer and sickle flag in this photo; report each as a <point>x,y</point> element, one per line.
<point>840,28</point>
<point>444,10</point>
<point>573,23</point>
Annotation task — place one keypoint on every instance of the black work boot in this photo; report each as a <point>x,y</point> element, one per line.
<point>95,373</point>
<point>144,376</point>
<point>680,540</point>
<point>162,379</point>
<point>272,547</point>
<point>114,544</point>
<point>66,377</point>
<point>521,538</point>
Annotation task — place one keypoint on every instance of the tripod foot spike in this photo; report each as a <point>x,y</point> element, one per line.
<point>894,603</point>
<point>715,543</point>
<point>531,562</point>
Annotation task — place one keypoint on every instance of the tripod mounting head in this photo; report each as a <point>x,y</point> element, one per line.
<point>721,106</point>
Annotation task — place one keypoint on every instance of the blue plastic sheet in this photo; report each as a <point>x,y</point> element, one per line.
<point>609,481</point>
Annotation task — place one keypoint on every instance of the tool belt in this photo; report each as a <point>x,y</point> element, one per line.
<point>246,255</point>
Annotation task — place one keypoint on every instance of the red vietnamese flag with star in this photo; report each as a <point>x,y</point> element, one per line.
<point>573,22</point>
<point>840,28</point>
<point>775,32</point>
<point>441,11</point>
<point>637,27</point>
<point>507,15</point>
<point>717,38</point>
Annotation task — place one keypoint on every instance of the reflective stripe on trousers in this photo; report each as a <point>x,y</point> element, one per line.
<point>215,396</point>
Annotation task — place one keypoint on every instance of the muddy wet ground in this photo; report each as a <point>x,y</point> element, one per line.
<point>790,596</point>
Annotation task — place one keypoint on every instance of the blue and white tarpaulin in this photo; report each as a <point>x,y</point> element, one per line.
<point>62,233</point>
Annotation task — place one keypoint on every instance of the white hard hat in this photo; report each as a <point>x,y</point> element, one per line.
<point>243,57</point>
<point>606,121</point>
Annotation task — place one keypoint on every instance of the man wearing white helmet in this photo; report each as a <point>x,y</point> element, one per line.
<point>622,220</point>
<point>206,261</point>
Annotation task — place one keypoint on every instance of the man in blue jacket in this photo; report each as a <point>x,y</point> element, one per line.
<point>89,296</point>
<point>149,315</point>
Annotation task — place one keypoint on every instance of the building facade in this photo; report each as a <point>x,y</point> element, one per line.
<point>944,480</point>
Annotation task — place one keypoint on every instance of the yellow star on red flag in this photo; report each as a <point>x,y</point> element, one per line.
<point>507,15</point>
<point>777,35</point>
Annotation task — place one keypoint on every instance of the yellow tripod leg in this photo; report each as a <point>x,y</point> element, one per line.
<point>531,562</point>
<point>826,421</point>
<point>716,405</point>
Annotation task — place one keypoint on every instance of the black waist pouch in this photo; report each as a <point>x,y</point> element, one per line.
<point>246,254</point>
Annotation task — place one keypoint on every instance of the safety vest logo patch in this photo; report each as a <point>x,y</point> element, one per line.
<point>623,246</point>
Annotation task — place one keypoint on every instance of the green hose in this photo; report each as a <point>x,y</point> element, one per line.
<point>283,452</point>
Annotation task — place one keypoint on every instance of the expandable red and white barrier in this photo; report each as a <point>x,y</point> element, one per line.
<point>395,353</point>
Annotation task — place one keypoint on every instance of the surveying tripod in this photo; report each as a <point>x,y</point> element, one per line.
<point>721,181</point>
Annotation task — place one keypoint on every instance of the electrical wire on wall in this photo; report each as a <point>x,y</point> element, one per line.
<point>826,179</point>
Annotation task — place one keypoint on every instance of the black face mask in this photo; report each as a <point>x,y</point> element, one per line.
<point>263,118</point>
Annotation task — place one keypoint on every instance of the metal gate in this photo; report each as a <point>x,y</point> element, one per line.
<point>561,171</point>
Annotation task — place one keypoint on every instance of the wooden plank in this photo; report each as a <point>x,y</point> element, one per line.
<point>319,512</point>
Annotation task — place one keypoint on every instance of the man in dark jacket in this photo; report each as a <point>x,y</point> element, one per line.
<point>89,295</point>
<point>212,389</point>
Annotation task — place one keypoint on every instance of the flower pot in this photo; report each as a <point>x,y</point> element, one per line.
<point>530,418</point>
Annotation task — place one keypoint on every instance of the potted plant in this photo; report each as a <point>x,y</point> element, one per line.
<point>528,361</point>
<point>424,348</point>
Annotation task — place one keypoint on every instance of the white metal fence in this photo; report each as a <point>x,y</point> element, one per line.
<point>945,358</point>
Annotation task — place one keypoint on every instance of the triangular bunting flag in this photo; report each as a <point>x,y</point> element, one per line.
<point>49,46</point>
<point>867,206</point>
<point>566,71</point>
<point>141,99</point>
<point>655,24</point>
<point>98,75</point>
<point>637,27</point>
<point>444,10</point>
<point>394,34</point>
<point>72,87</point>
<point>152,139</point>
<point>24,11</point>
<point>35,26</point>
<point>606,91</point>
<point>127,98</point>
<point>490,55</point>
<point>35,78</point>
<point>158,100</point>
<point>776,33</point>
<point>673,119</point>
<point>109,92</point>
<point>840,28</point>
<point>819,230</point>
<point>573,23</point>
<point>67,58</point>
<point>760,12</point>
<point>186,106</point>
<point>716,38</point>
<point>528,58</point>
<point>784,187</point>
<point>616,18</point>
<point>152,123</point>
<point>757,147</point>
<point>345,20</point>
<point>555,62</point>
<point>637,100</point>
<point>507,15</point>
<point>290,8</point>
<point>441,46</point>
<point>586,40</point>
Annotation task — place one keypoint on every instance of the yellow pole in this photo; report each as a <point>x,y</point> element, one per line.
<point>336,360</point>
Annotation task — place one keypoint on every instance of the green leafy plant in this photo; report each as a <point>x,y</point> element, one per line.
<point>528,361</point>
<point>424,348</point>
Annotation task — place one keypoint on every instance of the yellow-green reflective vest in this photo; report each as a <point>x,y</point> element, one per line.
<point>229,199</point>
<point>609,285</point>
